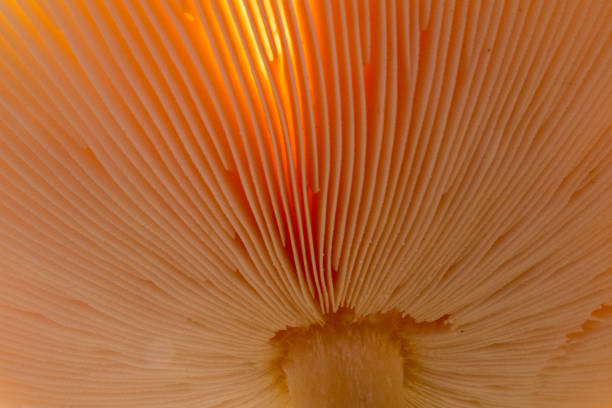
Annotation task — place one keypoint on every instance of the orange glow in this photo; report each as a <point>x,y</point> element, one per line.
<point>272,203</point>
<point>263,27</point>
<point>273,26</point>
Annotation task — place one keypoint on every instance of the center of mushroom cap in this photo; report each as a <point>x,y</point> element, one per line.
<point>344,362</point>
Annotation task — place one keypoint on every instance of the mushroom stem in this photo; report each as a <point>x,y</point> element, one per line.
<point>337,366</point>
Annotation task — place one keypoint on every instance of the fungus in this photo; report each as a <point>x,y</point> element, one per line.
<point>259,203</point>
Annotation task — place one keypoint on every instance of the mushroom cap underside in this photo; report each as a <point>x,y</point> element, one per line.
<point>181,182</point>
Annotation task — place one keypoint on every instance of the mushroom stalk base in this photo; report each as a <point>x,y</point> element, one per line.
<point>338,366</point>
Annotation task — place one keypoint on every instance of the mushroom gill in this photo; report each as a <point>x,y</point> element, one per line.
<point>259,203</point>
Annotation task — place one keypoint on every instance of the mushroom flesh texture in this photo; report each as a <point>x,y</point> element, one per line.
<point>260,203</point>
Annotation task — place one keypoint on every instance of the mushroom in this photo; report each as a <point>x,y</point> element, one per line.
<point>259,203</point>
